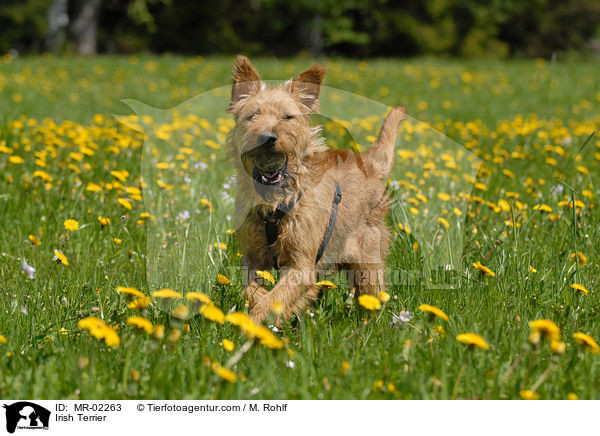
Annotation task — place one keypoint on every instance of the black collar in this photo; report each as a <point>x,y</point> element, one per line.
<point>272,220</point>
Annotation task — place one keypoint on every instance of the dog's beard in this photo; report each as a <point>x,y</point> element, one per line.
<point>270,174</point>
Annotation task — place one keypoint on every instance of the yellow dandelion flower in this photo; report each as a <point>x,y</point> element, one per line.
<point>141,323</point>
<point>60,257</point>
<point>129,291</point>
<point>104,221</point>
<point>140,303</point>
<point>369,302</point>
<point>134,375</point>
<point>228,345</point>
<point>197,297</point>
<point>92,187</point>
<point>89,323</point>
<point>3,339</point>
<point>473,339</point>
<point>98,329</point>
<point>269,340</point>
<point>484,269</point>
<point>433,310</point>
<point>159,332</point>
<point>529,395</point>
<point>174,335</point>
<point>224,373</point>
<point>111,338</point>
<point>443,196</point>
<point>326,284</point>
<point>542,208</point>
<point>213,313</point>
<point>222,280</point>
<point>266,275</point>
<point>532,269</point>
<point>581,258</point>
<point>544,329</point>
<point>125,203</point>
<point>276,308</point>
<point>181,311</point>
<point>166,293</point>
<point>346,367</point>
<point>121,175</point>
<point>580,288</point>
<point>71,225</point>
<point>572,396</point>
<point>587,342</point>
<point>239,319</point>
<point>558,347</point>
<point>444,222</point>
<point>16,160</point>
<point>384,297</point>
<point>34,240</point>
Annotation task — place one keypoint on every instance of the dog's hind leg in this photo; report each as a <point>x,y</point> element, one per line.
<point>367,278</point>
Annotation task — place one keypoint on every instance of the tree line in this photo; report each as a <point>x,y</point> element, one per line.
<point>360,28</point>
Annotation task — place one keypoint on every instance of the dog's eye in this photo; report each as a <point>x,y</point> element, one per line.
<point>249,117</point>
<point>288,117</point>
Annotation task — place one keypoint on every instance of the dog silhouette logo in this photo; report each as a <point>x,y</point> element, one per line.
<point>26,415</point>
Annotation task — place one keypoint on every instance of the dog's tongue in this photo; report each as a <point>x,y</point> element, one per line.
<point>270,175</point>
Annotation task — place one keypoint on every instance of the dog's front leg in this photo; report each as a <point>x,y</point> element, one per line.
<point>295,290</point>
<point>253,293</point>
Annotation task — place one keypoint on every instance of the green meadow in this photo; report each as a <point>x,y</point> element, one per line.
<point>106,161</point>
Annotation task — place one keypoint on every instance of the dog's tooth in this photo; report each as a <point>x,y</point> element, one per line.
<point>264,179</point>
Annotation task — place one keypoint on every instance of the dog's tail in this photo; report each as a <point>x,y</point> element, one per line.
<point>381,153</point>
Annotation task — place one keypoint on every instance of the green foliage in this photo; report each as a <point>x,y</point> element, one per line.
<point>23,24</point>
<point>359,28</point>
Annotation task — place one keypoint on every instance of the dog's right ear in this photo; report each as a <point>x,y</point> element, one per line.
<point>246,80</point>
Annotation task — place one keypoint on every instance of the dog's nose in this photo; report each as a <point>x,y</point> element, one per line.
<point>268,139</point>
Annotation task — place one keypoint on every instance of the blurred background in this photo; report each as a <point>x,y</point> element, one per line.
<point>352,28</point>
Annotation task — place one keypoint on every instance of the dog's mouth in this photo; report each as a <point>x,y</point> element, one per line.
<point>270,176</point>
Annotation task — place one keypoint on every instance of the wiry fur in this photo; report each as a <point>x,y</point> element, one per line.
<point>360,238</point>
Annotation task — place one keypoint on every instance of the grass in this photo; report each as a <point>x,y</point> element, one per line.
<point>525,120</point>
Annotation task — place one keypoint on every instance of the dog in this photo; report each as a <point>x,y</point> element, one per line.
<point>301,206</point>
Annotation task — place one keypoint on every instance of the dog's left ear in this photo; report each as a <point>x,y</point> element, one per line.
<point>306,86</point>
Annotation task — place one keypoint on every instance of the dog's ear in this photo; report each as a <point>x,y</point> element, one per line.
<point>306,86</point>
<point>246,80</point>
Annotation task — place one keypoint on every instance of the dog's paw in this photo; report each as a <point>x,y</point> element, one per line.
<point>253,293</point>
<point>261,307</point>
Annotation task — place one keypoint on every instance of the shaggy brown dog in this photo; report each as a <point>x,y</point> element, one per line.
<point>289,187</point>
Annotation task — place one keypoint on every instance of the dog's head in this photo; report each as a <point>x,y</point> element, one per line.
<point>273,137</point>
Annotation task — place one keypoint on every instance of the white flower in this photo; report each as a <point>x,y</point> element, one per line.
<point>403,318</point>
<point>290,364</point>
<point>28,269</point>
<point>183,216</point>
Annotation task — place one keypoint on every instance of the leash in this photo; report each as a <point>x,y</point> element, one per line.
<point>273,219</point>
